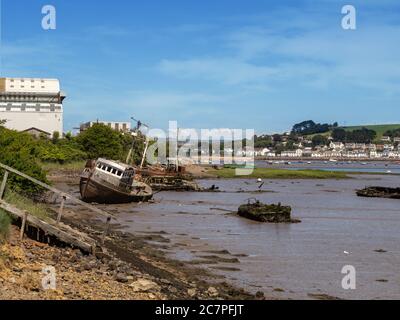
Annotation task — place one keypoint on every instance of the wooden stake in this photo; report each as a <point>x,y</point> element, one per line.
<point>106,230</point>
<point>60,211</point>
<point>3,185</point>
<point>21,235</point>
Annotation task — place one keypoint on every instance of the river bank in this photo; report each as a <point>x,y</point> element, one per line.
<point>127,267</point>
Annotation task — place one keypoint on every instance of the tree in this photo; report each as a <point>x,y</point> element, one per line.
<point>319,140</point>
<point>310,127</point>
<point>101,141</point>
<point>339,135</point>
<point>56,137</point>
<point>277,138</point>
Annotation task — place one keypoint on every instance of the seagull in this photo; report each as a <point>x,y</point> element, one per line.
<point>345,252</point>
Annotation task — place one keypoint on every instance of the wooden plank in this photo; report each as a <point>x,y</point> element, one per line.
<point>62,232</point>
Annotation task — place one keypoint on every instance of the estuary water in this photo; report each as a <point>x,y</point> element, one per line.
<point>289,261</point>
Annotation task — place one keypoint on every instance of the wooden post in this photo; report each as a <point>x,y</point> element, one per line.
<point>103,239</point>
<point>3,185</point>
<point>60,211</point>
<point>21,235</point>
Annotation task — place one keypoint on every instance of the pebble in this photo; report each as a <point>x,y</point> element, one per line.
<point>212,292</point>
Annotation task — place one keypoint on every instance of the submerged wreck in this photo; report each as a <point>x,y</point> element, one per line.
<point>379,192</point>
<point>106,181</point>
<point>274,213</point>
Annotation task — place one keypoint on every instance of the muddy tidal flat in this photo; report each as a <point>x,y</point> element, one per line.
<point>285,261</point>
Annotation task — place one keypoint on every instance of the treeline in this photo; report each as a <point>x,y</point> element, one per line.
<point>27,153</point>
<point>392,133</point>
<point>363,135</point>
<point>310,127</point>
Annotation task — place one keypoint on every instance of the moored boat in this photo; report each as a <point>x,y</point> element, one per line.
<point>107,181</point>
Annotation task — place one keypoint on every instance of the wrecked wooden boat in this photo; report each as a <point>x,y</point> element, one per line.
<point>168,178</point>
<point>379,192</point>
<point>107,181</point>
<point>274,213</point>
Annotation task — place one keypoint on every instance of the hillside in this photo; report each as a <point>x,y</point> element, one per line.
<point>380,128</point>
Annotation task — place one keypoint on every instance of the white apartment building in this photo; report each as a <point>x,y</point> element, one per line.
<point>29,104</point>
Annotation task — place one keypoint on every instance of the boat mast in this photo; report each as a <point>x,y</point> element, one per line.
<point>135,133</point>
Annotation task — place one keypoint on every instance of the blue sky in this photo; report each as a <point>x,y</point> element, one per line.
<point>212,64</point>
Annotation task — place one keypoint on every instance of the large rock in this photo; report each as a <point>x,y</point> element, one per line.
<point>143,285</point>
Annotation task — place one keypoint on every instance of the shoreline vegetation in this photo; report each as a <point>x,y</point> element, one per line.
<point>268,173</point>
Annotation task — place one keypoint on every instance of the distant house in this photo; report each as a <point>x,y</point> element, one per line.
<point>292,154</point>
<point>37,132</point>
<point>262,152</point>
<point>388,147</point>
<point>380,147</point>
<point>396,139</point>
<point>360,146</point>
<point>386,139</point>
<point>336,145</point>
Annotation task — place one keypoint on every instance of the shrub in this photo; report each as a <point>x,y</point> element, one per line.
<point>19,151</point>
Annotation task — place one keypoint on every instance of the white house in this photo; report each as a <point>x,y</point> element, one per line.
<point>336,145</point>
<point>292,153</point>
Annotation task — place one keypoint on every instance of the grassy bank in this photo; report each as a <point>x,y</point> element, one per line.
<point>26,204</point>
<point>50,167</point>
<point>267,173</point>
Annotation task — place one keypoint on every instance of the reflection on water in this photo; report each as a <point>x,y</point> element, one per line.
<point>301,259</point>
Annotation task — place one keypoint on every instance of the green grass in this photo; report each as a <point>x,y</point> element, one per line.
<point>26,204</point>
<point>266,173</point>
<point>54,167</point>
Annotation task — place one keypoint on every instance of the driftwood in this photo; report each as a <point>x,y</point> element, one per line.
<point>58,230</point>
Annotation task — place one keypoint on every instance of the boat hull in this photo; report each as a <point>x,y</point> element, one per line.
<point>93,191</point>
